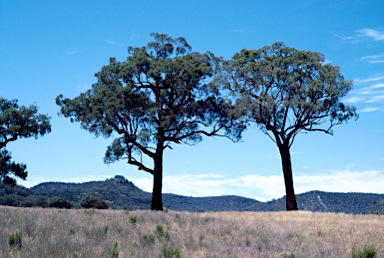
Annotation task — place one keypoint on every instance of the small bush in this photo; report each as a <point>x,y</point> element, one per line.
<point>289,256</point>
<point>113,252</point>
<point>102,231</point>
<point>170,252</point>
<point>132,219</point>
<point>366,252</point>
<point>27,203</point>
<point>148,239</point>
<point>160,232</point>
<point>59,202</point>
<point>14,240</point>
<point>41,201</point>
<point>93,200</point>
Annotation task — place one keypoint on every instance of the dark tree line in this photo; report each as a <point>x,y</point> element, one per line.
<point>166,94</point>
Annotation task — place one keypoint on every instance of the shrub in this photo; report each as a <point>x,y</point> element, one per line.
<point>148,239</point>
<point>93,200</point>
<point>113,252</point>
<point>41,201</point>
<point>59,202</point>
<point>27,203</point>
<point>366,252</point>
<point>160,232</point>
<point>170,252</point>
<point>132,219</point>
<point>103,230</point>
<point>14,240</point>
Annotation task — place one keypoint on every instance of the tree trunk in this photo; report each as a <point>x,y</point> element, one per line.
<point>157,199</point>
<point>285,154</point>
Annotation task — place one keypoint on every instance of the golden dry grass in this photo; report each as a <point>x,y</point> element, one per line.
<point>91,233</point>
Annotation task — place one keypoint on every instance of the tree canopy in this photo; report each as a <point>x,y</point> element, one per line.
<point>287,91</point>
<point>18,122</point>
<point>158,96</point>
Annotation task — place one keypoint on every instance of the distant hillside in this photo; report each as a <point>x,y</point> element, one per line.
<point>215,203</point>
<point>318,201</point>
<point>123,194</point>
<point>118,191</point>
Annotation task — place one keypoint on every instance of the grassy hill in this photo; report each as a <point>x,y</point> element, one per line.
<point>120,193</point>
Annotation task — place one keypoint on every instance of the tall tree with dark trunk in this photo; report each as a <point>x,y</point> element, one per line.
<point>18,122</point>
<point>286,91</point>
<point>157,97</point>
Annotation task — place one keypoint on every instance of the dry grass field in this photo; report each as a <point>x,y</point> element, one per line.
<point>118,233</point>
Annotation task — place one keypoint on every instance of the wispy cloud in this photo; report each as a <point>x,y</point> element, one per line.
<point>368,110</point>
<point>375,59</point>
<point>371,33</point>
<point>368,91</point>
<point>370,79</point>
<point>362,35</point>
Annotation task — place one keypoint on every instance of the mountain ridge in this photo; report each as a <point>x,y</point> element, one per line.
<point>120,193</point>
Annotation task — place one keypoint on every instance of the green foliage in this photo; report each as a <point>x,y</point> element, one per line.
<point>27,203</point>
<point>379,211</point>
<point>157,97</point>
<point>101,231</point>
<point>15,240</point>
<point>104,229</point>
<point>58,202</point>
<point>366,252</point>
<point>113,252</point>
<point>286,91</point>
<point>18,122</point>
<point>148,239</point>
<point>288,256</point>
<point>93,200</point>
<point>170,252</point>
<point>160,232</point>
<point>132,219</point>
<point>209,219</point>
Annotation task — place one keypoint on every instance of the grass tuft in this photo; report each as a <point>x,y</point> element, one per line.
<point>170,252</point>
<point>366,252</point>
<point>113,252</point>
<point>14,240</point>
<point>147,240</point>
<point>132,219</point>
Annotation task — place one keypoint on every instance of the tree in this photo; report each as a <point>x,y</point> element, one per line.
<point>18,122</point>
<point>157,97</point>
<point>59,202</point>
<point>93,200</point>
<point>286,91</point>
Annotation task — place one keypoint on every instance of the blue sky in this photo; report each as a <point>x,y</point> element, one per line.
<point>53,47</point>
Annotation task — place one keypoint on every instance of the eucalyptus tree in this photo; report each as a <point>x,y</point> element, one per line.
<point>18,122</point>
<point>158,97</point>
<point>287,91</point>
